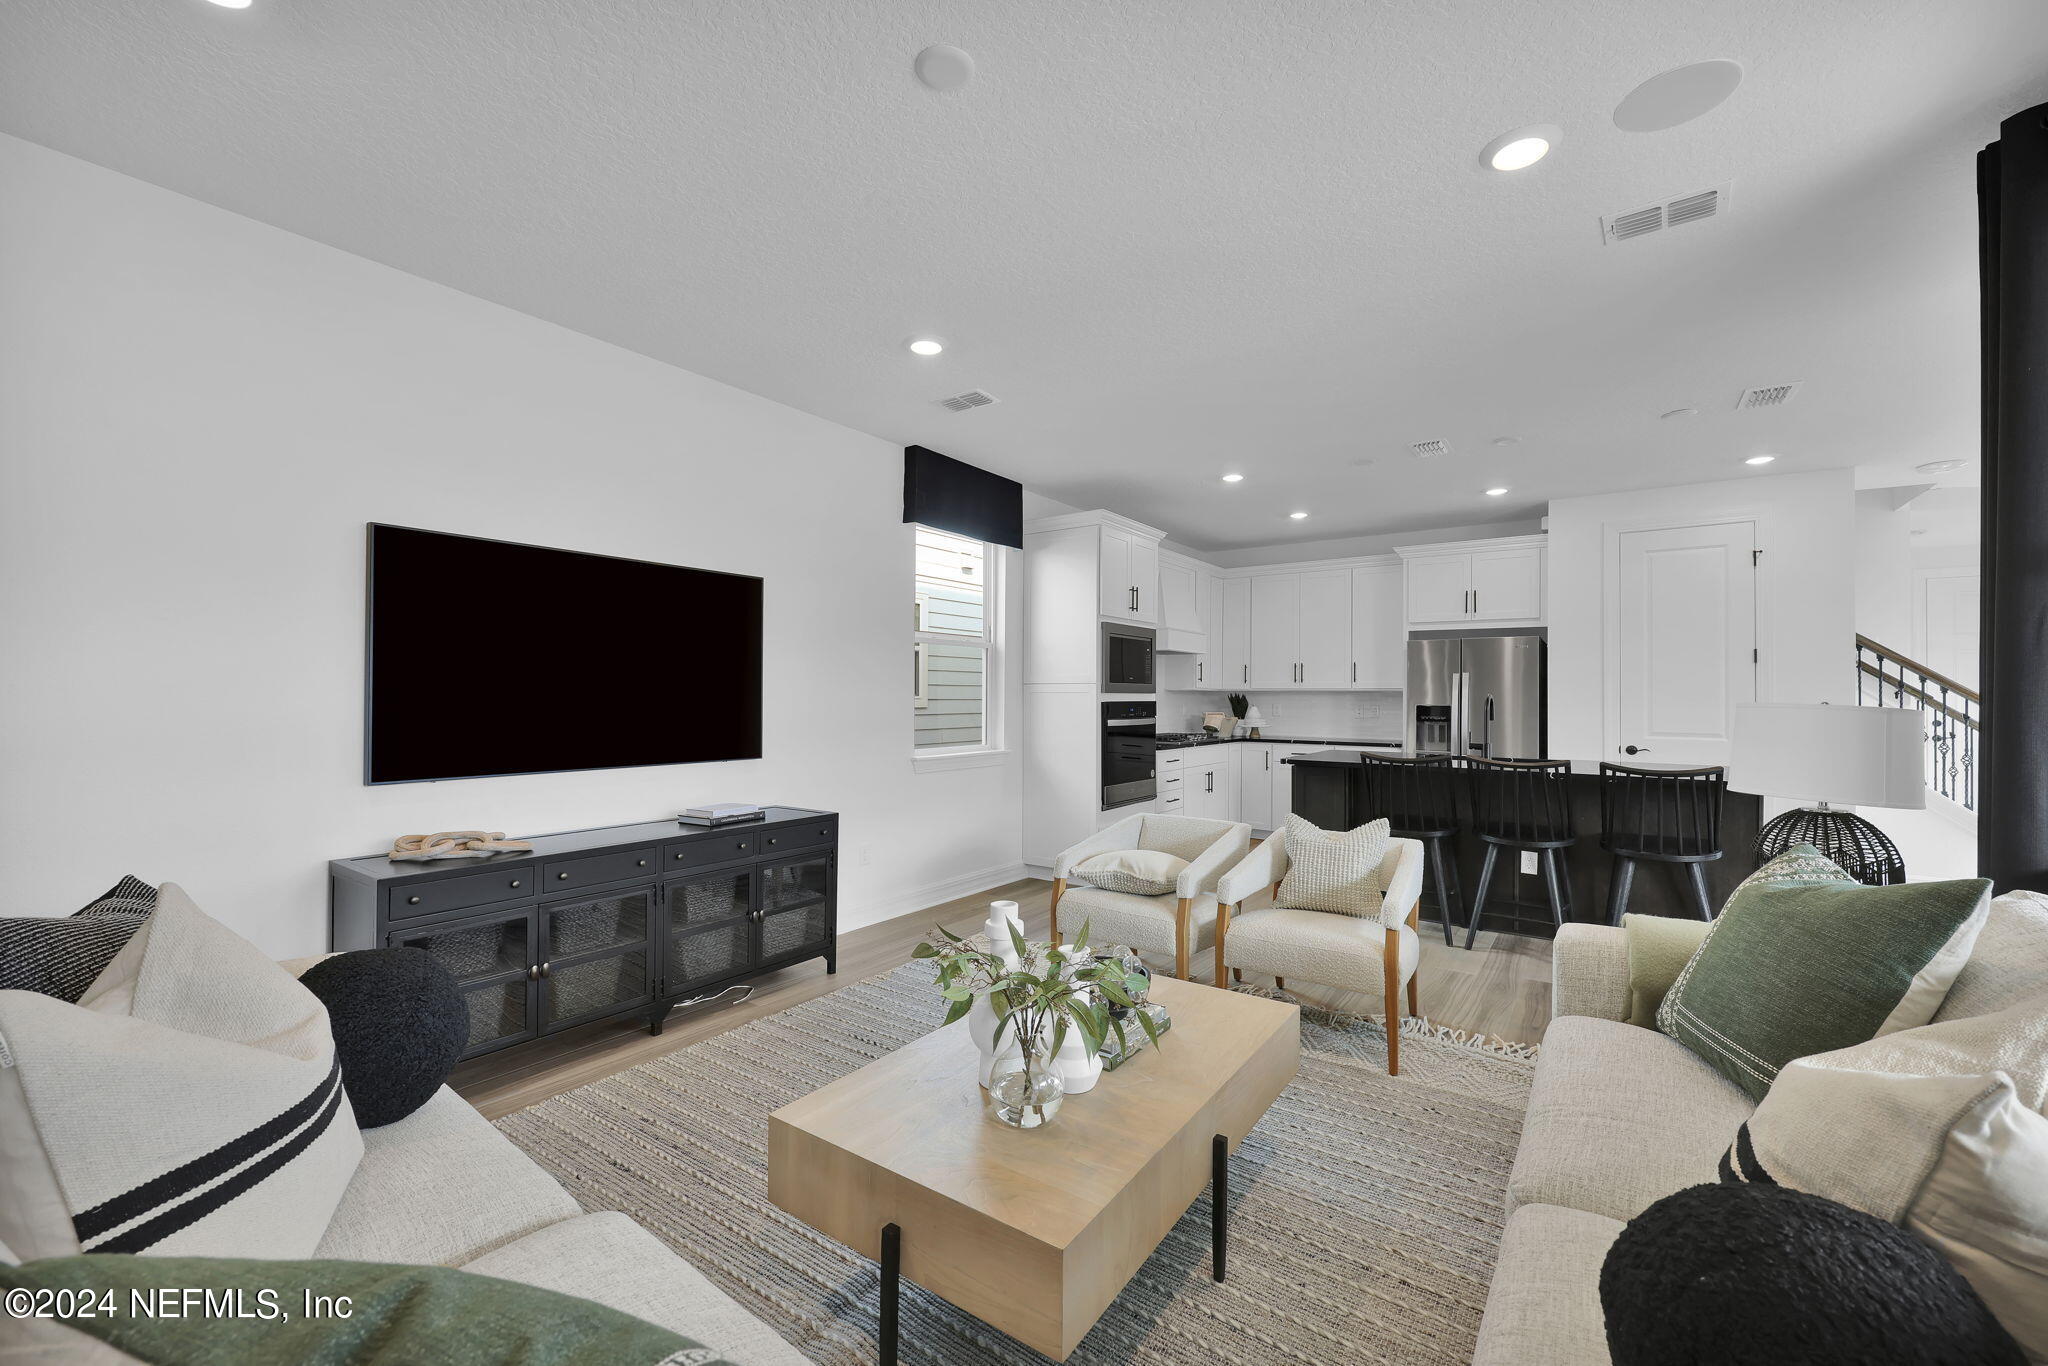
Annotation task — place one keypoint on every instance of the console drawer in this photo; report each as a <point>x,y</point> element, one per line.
<point>595,870</point>
<point>805,835</point>
<point>713,849</point>
<point>461,893</point>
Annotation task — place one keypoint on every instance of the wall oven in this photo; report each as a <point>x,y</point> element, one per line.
<point>1130,744</point>
<point>1127,658</point>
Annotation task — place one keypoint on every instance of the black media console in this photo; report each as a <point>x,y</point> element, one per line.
<point>595,924</point>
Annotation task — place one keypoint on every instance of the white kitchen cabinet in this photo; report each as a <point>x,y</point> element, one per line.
<point>1472,583</point>
<point>1255,784</point>
<point>1276,630</point>
<point>1180,597</point>
<point>1233,661</point>
<point>1209,601</point>
<point>1205,784</point>
<point>1379,636</point>
<point>1507,585</point>
<point>1324,630</point>
<point>1130,576</point>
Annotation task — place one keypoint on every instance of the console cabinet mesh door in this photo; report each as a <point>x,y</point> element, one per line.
<point>707,918</point>
<point>492,959</point>
<point>596,956</point>
<point>796,906</point>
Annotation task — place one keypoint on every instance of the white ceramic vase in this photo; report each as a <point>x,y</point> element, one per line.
<point>981,1016</point>
<point>1079,1067</point>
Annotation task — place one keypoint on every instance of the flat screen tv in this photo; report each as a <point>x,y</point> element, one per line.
<point>489,658</point>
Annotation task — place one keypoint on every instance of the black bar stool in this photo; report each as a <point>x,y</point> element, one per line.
<point>1523,804</point>
<point>1663,815</point>
<point>1418,796</point>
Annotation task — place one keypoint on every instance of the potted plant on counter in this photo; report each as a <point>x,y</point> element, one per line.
<point>1042,995</point>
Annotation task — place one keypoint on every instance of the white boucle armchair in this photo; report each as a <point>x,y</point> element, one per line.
<point>1180,924</point>
<point>1356,953</point>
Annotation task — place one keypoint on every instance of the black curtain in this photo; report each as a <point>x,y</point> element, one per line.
<point>2012,789</point>
<point>952,495</point>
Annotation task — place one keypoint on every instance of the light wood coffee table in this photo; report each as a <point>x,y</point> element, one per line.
<point>1033,1231</point>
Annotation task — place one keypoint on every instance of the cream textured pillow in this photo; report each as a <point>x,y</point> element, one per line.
<point>189,1105</point>
<point>1938,1129</point>
<point>1333,871</point>
<point>1141,872</point>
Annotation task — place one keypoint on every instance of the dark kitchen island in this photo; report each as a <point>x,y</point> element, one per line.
<point>1329,789</point>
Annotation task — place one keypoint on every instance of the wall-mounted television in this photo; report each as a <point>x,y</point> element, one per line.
<point>488,658</point>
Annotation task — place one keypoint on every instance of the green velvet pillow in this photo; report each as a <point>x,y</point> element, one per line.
<point>259,1312</point>
<point>1804,959</point>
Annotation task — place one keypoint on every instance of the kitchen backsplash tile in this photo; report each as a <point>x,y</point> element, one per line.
<point>1324,715</point>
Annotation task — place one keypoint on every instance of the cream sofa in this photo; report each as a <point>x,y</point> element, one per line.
<point>1621,1116</point>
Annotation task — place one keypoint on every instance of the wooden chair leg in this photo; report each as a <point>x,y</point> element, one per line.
<point>1222,928</point>
<point>1180,938</point>
<point>1279,984</point>
<point>1479,896</point>
<point>1237,976</point>
<point>1059,889</point>
<point>1390,968</point>
<point>1415,923</point>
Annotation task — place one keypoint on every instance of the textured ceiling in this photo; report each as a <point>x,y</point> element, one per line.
<point>1173,238</point>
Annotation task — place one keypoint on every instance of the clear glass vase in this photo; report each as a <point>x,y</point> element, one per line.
<point>1024,1091</point>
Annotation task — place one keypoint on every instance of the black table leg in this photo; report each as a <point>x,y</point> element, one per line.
<point>1219,1196</point>
<point>892,1289</point>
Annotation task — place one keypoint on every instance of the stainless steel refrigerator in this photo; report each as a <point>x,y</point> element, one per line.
<point>1481,696</point>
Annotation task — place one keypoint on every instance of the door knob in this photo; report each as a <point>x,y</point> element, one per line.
<point>1635,749</point>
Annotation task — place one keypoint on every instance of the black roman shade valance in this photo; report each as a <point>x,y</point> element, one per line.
<point>939,491</point>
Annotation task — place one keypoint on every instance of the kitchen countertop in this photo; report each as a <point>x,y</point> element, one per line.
<point>1275,740</point>
<point>1587,768</point>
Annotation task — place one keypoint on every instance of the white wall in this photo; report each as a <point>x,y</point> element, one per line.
<point>1806,595</point>
<point>200,413</point>
<point>1884,544</point>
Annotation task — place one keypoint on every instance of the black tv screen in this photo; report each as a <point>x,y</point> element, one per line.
<point>491,658</point>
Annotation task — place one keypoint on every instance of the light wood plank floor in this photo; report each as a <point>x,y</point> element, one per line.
<point>1501,988</point>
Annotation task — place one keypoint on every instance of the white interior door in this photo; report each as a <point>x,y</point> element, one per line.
<point>1325,651</point>
<point>1276,629</point>
<point>1945,623</point>
<point>1686,640</point>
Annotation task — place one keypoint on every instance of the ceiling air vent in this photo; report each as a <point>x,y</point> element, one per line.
<point>1673,213</point>
<point>960,403</point>
<point>1429,450</point>
<point>1769,395</point>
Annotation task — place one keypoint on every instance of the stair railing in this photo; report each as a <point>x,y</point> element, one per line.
<point>1886,678</point>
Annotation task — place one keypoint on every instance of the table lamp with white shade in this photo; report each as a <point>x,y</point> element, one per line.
<point>1830,756</point>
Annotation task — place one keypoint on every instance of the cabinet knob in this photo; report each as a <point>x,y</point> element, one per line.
<point>824,832</point>
<point>533,972</point>
<point>412,901</point>
<point>743,844</point>
<point>562,876</point>
<point>642,863</point>
<point>771,841</point>
<point>679,858</point>
<point>515,882</point>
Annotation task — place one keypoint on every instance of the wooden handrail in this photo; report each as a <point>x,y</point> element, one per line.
<point>1887,652</point>
<point>1901,685</point>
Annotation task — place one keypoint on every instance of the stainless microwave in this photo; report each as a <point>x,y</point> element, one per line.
<point>1127,657</point>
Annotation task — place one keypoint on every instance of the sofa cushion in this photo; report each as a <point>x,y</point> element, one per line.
<point>441,1186</point>
<point>1620,1117</point>
<point>612,1260</point>
<point>2009,962</point>
<point>1328,947</point>
<point>1141,922</point>
<point>61,955</point>
<point>1337,871</point>
<point>1141,872</point>
<point>1543,1308</point>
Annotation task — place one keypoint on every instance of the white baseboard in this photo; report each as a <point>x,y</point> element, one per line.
<point>932,893</point>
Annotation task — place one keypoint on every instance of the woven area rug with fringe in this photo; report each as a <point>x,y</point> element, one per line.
<point>1365,1209</point>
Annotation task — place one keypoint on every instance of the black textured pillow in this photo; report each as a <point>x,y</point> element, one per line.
<point>63,955</point>
<point>1755,1275</point>
<point>399,1025</point>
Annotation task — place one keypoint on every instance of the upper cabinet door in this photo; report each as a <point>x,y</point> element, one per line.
<point>1440,588</point>
<point>1180,598</point>
<point>1143,558</point>
<point>1324,651</point>
<point>1378,638</point>
<point>1276,630</point>
<point>1234,660</point>
<point>1507,585</point>
<point>1117,583</point>
<point>1209,609</point>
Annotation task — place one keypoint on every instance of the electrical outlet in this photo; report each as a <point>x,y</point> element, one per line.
<point>1529,864</point>
<point>864,856</point>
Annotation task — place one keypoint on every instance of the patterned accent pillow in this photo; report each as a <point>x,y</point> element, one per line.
<point>1141,872</point>
<point>1804,959</point>
<point>1334,871</point>
<point>61,956</point>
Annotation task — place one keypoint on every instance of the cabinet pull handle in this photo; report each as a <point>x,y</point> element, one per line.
<point>562,876</point>
<point>641,864</point>
<point>1475,602</point>
<point>545,968</point>
<point>679,857</point>
<point>515,882</point>
<point>771,841</point>
<point>1247,674</point>
<point>743,844</point>
<point>533,972</point>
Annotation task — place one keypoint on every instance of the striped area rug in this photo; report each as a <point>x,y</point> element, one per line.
<point>1365,1209</point>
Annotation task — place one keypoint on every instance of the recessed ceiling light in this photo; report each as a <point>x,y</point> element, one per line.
<point>1677,413</point>
<point>1522,148</point>
<point>1940,466</point>
<point>1297,516</point>
<point>1760,460</point>
<point>1495,493</point>
<point>944,67</point>
<point>232,4</point>
<point>1507,441</point>
<point>1233,479</point>
<point>1677,96</point>
<point>925,346</point>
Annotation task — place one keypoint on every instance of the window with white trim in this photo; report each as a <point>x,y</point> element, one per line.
<point>953,644</point>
